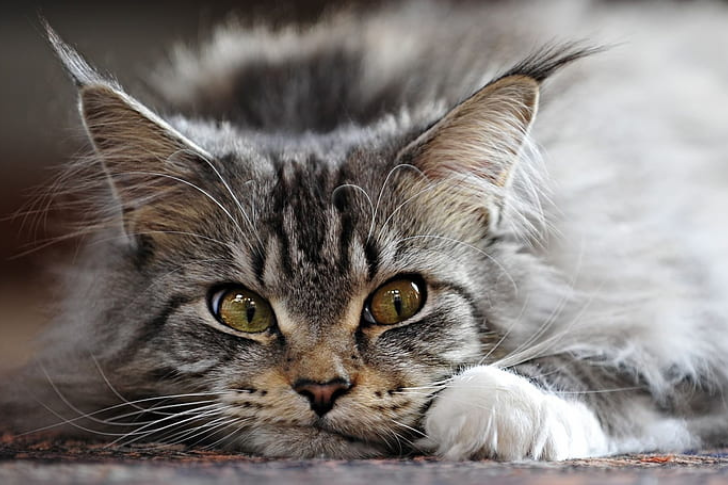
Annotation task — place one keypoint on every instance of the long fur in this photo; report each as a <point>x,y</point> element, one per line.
<point>584,286</point>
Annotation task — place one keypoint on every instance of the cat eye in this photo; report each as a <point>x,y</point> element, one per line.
<point>242,310</point>
<point>395,302</point>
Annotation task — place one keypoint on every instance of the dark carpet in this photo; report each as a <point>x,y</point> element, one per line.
<point>26,461</point>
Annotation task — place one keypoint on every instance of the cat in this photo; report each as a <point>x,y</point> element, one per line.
<point>358,239</point>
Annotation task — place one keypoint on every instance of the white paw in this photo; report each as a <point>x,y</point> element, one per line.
<point>488,412</point>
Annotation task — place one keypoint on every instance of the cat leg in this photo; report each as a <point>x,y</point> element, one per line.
<point>489,412</point>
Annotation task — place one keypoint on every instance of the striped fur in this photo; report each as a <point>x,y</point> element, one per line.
<point>574,304</point>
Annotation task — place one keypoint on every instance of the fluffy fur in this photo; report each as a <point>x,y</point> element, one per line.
<point>575,261</point>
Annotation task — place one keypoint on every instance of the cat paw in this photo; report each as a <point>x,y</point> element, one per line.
<point>487,412</point>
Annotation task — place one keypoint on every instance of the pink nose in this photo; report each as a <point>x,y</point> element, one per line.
<point>322,395</point>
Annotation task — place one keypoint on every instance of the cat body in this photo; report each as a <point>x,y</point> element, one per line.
<point>427,264</point>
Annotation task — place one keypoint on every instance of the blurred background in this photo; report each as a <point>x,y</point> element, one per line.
<point>39,128</point>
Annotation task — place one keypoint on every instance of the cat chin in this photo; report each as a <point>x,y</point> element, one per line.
<point>306,442</point>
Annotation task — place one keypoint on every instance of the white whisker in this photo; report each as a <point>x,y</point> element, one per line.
<point>401,166</point>
<point>149,429</point>
<point>362,191</point>
<point>467,245</point>
<point>237,202</point>
<point>203,192</point>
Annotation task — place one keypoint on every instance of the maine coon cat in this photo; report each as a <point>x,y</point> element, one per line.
<point>420,229</point>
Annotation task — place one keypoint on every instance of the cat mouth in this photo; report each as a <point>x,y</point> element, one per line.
<point>382,447</point>
<point>312,441</point>
<point>321,426</point>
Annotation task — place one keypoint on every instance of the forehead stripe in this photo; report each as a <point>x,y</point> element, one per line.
<point>371,252</point>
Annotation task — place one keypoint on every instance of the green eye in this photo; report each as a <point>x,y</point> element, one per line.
<point>395,302</point>
<point>242,310</point>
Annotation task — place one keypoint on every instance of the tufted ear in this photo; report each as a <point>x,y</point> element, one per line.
<point>149,163</point>
<point>468,156</point>
<point>483,135</point>
<point>471,153</point>
<point>140,152</point>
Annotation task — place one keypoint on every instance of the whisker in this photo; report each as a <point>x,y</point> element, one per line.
<point>361,190</point>
<point>202,191</point>
<point>599,391</point>
<point>139,434</point>
<point>186,434</point>
<point>81,414</point>
<point>431,186</point>
<point>241,422</point>
<point>469,246</point>
<point>507,332</point>
<point>70,422</point>
<point>401,166</point>
<point>410,428</point>
<point>543,328</point>
<point>108,384</point>
<point>396,437</point>
<point>237,202</point>
<point>116,406</point>
<point>556,312</point>
<point>211,431</point>
<point>540,349</point>
<point>156,410</point>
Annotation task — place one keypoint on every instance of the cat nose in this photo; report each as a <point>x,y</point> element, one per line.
<point>322,395</point>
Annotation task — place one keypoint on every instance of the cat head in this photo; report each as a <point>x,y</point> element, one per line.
<point>301,295</point>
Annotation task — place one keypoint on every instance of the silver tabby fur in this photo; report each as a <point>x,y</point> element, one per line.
<point>591,298</point>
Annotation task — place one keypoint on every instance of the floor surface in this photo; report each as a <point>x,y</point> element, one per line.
<point>25,462</point>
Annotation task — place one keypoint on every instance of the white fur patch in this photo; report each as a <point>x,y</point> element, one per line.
<point>488,412</point>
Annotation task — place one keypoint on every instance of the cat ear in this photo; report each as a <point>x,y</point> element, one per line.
<point>483,135</point>
<point>471,153</point>
<point>135,146</point>
<point>472,150</point>
<point>145,159</point>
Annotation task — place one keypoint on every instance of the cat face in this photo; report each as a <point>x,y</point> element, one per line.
<point>300,296</point>
<point>305,290</point>
<point>317,369</point>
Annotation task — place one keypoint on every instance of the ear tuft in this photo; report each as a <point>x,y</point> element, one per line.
<point>482,137</point>
<point>150,165</point>
<point>544,62</point>
<point>74,64</point>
